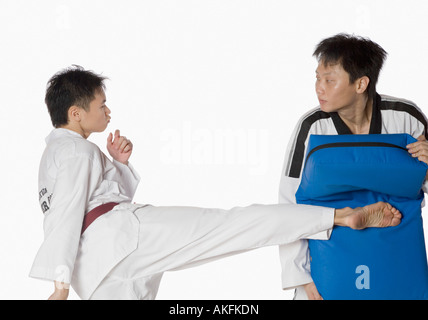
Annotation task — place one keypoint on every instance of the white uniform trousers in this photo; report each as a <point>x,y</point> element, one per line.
<point>173,238</point>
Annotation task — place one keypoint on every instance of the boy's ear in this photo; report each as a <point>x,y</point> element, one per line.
<point>362,84</point>
<point>74,113</point>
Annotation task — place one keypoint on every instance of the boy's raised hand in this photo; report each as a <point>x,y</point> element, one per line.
<point>119,148</point>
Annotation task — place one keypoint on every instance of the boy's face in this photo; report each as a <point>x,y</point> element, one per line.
<point>97,117</point>
<point>333,87</point>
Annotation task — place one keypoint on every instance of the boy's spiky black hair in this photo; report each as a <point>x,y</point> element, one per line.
<point>71,86</point>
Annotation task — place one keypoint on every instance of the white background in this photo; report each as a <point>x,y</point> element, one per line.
<point>208,91</point>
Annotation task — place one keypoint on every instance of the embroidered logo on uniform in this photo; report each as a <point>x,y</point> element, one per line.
<point>44,204</point>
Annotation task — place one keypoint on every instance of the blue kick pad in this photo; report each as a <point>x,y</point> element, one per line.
<point>354,171</point>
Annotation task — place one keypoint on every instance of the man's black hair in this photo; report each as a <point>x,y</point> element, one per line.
<point>358,56</point>
<point>71,86</point>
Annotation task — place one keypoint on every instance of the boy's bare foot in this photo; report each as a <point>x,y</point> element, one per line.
<point>379,215</point>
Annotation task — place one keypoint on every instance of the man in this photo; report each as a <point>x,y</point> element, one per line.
<point>109,248</point>
<point>346,77</point>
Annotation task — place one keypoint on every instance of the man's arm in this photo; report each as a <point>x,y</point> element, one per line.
<point>294,257</point>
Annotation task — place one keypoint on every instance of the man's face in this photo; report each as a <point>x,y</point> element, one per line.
<point>97,117</point>
<point>333,87</point>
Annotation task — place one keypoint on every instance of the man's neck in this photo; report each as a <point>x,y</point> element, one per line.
<point>358,116</point>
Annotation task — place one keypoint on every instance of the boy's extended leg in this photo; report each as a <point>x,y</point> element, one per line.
<point>180,237</point>
<point>173,238</point>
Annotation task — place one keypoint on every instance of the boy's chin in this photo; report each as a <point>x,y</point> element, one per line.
<point>102,129</point>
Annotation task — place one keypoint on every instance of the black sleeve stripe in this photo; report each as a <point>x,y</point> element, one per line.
<point>389,103</point>
<point>302,135</point>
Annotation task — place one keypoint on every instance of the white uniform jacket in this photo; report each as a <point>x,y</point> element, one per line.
<point>75,177</point>
<point>390,115</point>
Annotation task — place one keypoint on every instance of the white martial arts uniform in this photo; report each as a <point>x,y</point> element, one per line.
<point>124,252</point>
<point>390,115</point>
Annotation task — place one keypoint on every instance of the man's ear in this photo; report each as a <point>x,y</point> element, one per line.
<point>362,84</point>
<point>74,113</point>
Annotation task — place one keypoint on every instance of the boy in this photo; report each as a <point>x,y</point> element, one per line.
<point>109,248</point>
<point>346,77</point>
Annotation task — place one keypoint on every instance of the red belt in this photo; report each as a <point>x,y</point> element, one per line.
<point>96,212</point>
